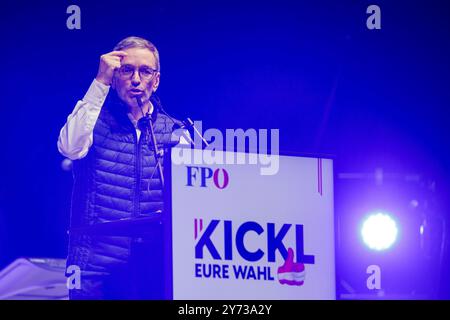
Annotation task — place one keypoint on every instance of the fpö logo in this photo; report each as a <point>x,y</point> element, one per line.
<point>230,238</point>
<point>204,176</point>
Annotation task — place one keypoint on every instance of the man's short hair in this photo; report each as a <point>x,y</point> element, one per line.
<point>137,42</point>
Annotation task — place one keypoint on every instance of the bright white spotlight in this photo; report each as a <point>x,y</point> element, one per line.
<point>379,231</point>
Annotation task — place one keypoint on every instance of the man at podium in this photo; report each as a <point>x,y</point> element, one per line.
<point>117,174</point>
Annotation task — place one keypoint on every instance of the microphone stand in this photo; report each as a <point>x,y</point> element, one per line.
<point>187,124</point>
<point>157,153</point>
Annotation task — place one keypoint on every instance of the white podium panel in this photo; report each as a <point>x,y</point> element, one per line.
<point>238,234</point>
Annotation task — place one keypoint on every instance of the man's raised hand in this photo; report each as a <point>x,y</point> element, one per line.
<point>108,63</point>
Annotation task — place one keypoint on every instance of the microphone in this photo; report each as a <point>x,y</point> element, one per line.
<point>140,104</point>
<point>139,101</point>
<point>188,124</point>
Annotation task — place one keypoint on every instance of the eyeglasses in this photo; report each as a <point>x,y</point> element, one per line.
<point>145,73</point>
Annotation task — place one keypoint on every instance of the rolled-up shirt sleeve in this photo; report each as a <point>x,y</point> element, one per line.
<point>76,137</point>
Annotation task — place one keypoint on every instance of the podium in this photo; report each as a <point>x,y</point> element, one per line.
<point>237,229</point>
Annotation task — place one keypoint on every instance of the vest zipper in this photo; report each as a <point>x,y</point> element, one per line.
<point>137,190</point>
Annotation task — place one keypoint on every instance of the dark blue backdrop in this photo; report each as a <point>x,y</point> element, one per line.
<point>310,68</point>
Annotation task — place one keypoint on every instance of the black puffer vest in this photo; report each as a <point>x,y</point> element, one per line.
<point>117,179</point>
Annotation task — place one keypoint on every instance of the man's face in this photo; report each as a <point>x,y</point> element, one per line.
<point>134,78</point>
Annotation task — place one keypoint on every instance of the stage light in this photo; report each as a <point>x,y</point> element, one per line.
<point>379,231</point>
